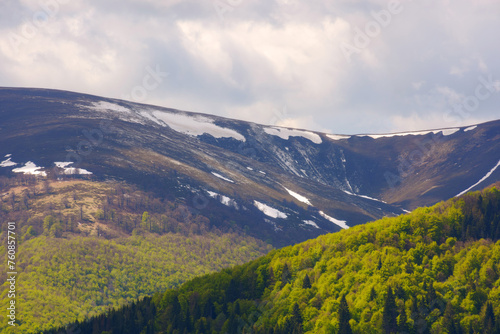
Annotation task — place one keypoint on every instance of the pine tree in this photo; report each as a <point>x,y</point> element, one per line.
<point>188,320</point>
<point>489,320</point>
<point>209,309</point>
<point>344,317</point>
<point>373,294</point>
<point>431,296</point>
<point>389,317</point>
<point>449,322</point>
<point>176,315</point>
<point>306,283</point>
<point>231,324</point>
<point>285,275</point>
<point>296,320</point>
<point>403,326</point>
<point>237,308</point>
<point>448,316</point>
<point>232,291</point>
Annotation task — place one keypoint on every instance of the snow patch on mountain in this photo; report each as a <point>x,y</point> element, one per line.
<point>195,125</point>
<point>8,162</point>
<point>285,134</point>
<point>449,132</point>
<point>269,211</point>
<point>149,116</point>
<point>227,201</point>
<point>470,128</point>
<point>222,177</point>
<point>338,137</point>
<point>341,223</point>
<point>363,196</point>
<point>446,132</point>
<point>482,179</point>
<point>30,168</point>
<point>311,223</point>
<point>107,106</point>
<point>76,171</point>
<point>298,197</point>
<point>71,170</point>
<point>61,164</point>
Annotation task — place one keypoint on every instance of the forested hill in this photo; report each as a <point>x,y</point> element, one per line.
<point>435,270</point>
<point>86,246</point>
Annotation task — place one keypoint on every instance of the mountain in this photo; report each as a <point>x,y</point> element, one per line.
<point>84,247</point>
<point>277,184</point>
<point>435,270</point>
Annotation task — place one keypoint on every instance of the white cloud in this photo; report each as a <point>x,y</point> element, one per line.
<point>417,85</point>
<point>265,55</point>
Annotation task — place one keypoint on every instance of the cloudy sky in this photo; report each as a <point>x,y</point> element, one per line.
<point>345,66</point>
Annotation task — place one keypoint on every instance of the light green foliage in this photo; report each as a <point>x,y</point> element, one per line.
<point>71,268</point>
<point>65,280</point>
<point>424,272</point>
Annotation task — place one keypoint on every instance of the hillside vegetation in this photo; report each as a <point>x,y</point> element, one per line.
<point>86,247</point>
<point>435,270</point>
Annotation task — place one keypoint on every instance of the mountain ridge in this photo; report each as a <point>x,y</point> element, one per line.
<point>192,155</point>
<point>361,134</point>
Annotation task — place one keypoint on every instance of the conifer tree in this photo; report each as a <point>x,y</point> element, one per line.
<point>285,275</point>
<point>232,291</point>
<point>373,294</point>
<point>306,283</point>
<point>389,317</point>
<point>431,296</point>
<point>344,317</point>
<point>296,321</point>
<point>176,313</point>
<point>403,326</point>
<point>489,320</point>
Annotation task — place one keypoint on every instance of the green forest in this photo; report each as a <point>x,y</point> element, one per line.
<point>87,247</point>
<point>435,270</point>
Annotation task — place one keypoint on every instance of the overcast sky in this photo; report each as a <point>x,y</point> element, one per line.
<point>340,66</point>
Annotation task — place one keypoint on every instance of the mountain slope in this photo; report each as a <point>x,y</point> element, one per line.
<point>281,185</point>
<point>436,270</point>
<point>84,247</point>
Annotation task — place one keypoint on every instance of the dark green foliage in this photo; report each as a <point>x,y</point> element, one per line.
<point>489,326</point>
<point>285,275</point>
<point>232,292</point>
<point>389,320</point>
<point>373,294</point>
<point>306,283</point>
<point>296,320</point>
<point>403,326</point>
<point>449,323</point>
<point>344,317</point>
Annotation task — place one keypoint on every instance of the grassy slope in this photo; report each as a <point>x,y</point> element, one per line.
<point>105,260</point>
